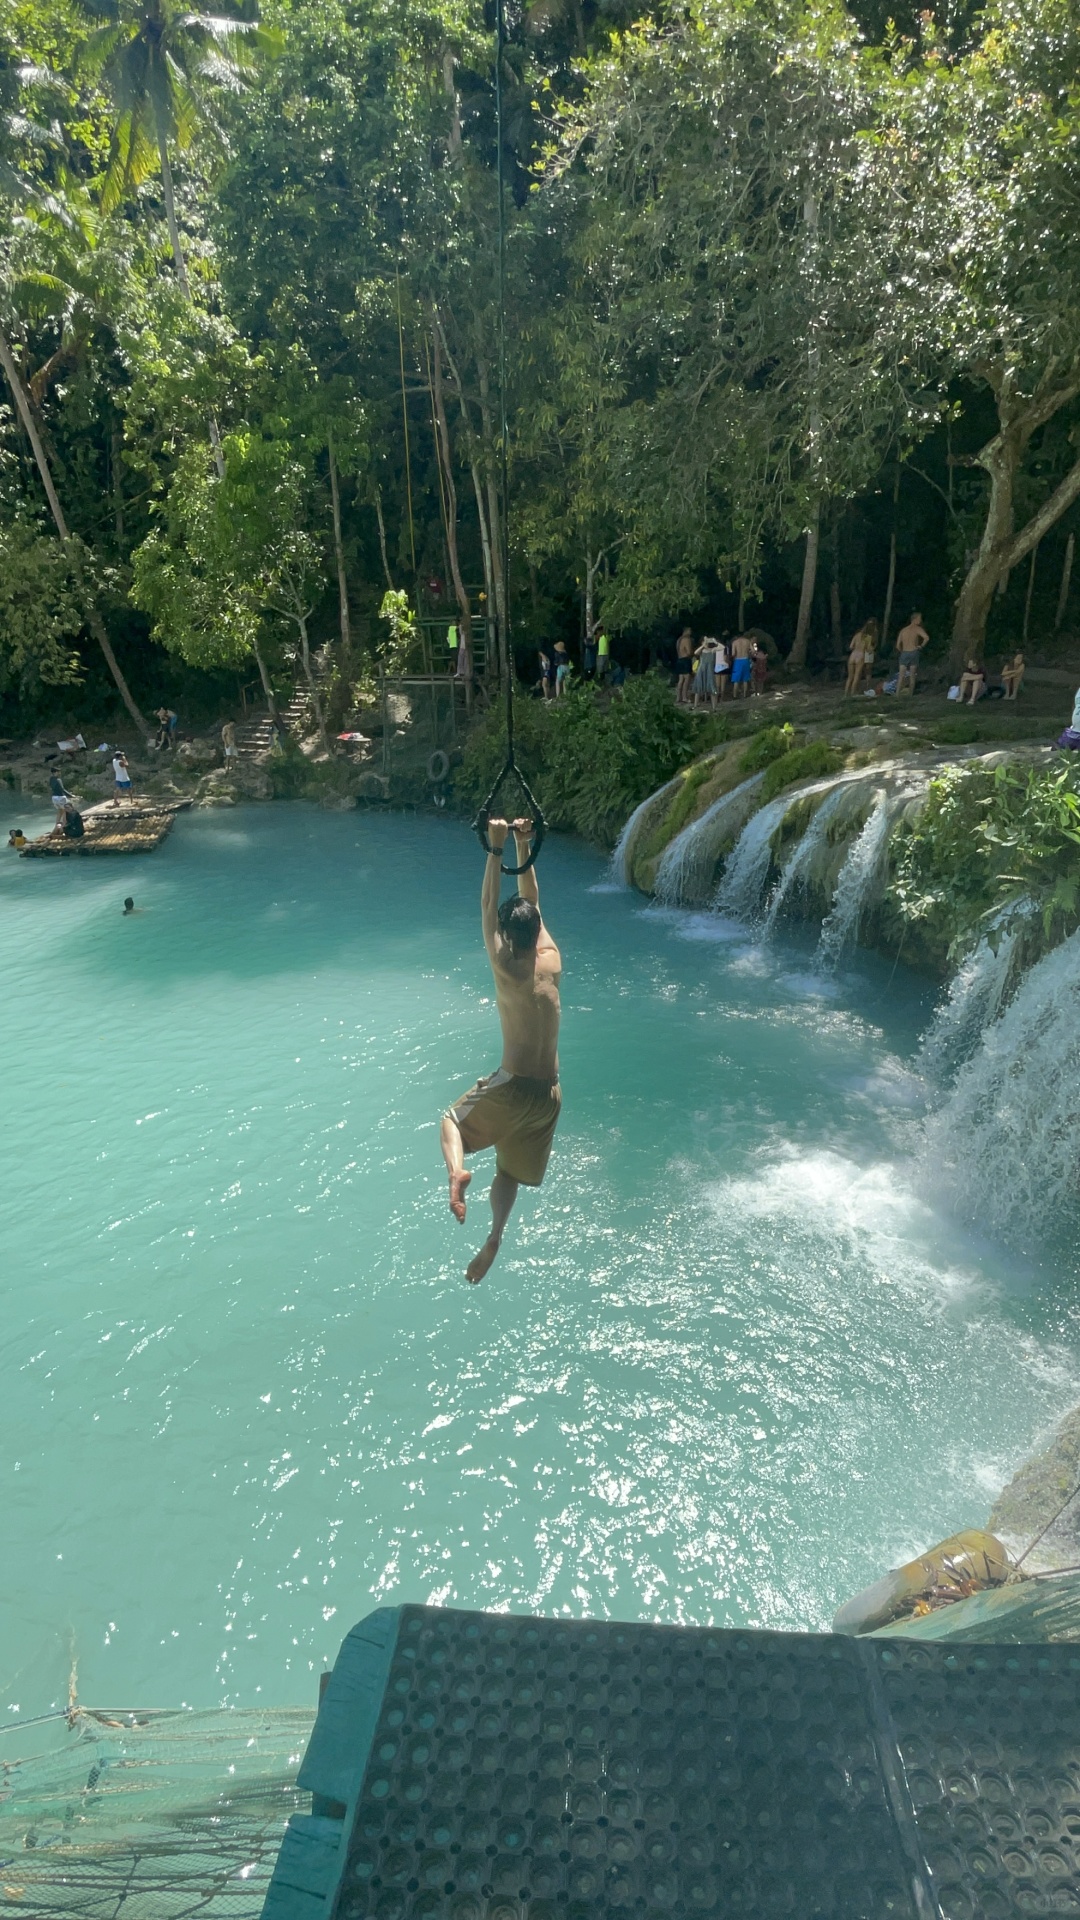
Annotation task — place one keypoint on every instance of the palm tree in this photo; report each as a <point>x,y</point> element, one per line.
<point>18,132</point>
<point>160,65</point>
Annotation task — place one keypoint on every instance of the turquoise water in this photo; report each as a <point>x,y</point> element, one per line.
<point>730,1366</point>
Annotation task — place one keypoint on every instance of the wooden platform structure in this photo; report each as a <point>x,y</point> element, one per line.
<point>110,829</point>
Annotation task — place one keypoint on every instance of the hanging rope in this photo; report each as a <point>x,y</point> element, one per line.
<point>480,824</point>
<point>1067,1502</point>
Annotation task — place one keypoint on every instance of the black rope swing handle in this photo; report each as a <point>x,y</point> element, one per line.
<point>480,824</point>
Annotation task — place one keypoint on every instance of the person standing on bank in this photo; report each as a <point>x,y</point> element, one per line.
<point>516,1109</point>
<point>910,642</point>
<point>121,778</point>
<point>742,666</point>
<point>684,666</point>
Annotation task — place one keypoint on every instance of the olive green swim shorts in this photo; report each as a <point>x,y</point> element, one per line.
<point>514,1115</point>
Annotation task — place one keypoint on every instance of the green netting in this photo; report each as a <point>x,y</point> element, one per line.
<point>162,1816</point>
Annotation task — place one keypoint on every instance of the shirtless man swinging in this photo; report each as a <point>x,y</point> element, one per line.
<point>516,1109</point>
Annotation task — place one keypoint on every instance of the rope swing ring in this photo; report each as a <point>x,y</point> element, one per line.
<point>480,824</point>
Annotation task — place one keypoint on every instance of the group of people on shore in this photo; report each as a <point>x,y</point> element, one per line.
<point>974,682</point>
<point>597,665</point>
<point>712,671</point>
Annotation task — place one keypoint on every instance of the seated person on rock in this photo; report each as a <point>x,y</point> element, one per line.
<point>1012,675</point>
<point>972,682</point>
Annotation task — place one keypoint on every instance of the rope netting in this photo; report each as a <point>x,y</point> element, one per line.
<point>161,1815</point>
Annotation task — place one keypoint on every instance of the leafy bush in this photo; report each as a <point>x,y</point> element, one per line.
<point>802,763</point>
<point>765,747</point>
<point>988,836</point>
<point>589,765</point>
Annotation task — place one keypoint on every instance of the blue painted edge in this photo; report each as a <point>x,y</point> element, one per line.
<point>312,1852</point>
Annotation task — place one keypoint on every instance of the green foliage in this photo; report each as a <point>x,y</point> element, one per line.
<point>989,837</point>
<point>770,744</point>
<point>401,620</point>
<point>40,612</point>
<point>232,550</point>
<point>588,764</point>
<point>802,763</point>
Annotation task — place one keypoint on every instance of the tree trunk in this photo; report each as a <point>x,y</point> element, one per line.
<point>305,657</point>
<point>93,617</point>
<point>382,540</point>
<point>797,656</point>
<point>1066,577</point>
<point>339,553</point>
<point>1001,547</point>
<point>495,527</point>
<point>1001,460</point>
<point>115,445</point>
<point>1027,596</point>
<point>170,211</point>
<point>267,684</point>
<point>890,588</point>
<point>181,270</point>
<point>485,549</point>
<point>442,443</point>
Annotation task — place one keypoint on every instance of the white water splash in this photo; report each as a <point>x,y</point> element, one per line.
<point>797,870</point>
<point>859,879</point>
<point>689,861</point>
<point>1004,1145</point>
<point>739,893</point>
<point>619,866</point>
<point>975,998</point>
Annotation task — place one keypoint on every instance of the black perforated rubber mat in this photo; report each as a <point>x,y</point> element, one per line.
<point>525,1769</point>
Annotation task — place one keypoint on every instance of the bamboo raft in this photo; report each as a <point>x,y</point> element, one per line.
<point>109,829</point>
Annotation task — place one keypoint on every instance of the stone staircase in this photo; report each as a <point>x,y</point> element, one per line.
<point>253,736</point>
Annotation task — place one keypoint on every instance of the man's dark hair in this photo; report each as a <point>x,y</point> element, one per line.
<point>519,922</point>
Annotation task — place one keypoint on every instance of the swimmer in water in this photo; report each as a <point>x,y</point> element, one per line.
<point>516,1109</point>
<point>130,907</point>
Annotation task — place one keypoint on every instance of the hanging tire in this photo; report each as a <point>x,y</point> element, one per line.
<point>438,767</point>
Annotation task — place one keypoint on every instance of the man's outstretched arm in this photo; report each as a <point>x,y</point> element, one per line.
<point>489,893</point>
<point>527,886</point>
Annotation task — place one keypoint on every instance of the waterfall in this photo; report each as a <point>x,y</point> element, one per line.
<point>1004,1142</point>
<point>859,879</point>
<point>797,870</point>
<point>975,996</point>
<point>739,893</point>
<point>685,872</point>
<point>619,865</point>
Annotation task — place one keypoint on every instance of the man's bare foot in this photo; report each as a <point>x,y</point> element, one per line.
<point>482,1261</point>
<point>458,1184</point>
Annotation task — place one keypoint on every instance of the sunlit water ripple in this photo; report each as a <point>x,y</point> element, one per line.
<point>730,1366</point>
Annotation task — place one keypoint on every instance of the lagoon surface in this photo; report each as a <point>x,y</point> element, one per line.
<point>731,1365</point>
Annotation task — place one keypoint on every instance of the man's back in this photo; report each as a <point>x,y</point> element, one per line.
<point>527,992</point>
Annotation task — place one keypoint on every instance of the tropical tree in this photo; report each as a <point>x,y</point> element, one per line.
<point>720,218</point>
<point>970,184</point>
<point>45,260</point>
<point>161,66</point>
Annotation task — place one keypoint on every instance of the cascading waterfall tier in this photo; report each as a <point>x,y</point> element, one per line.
<point>859,880</point>
<point>685,873</point>
<point>1004,1145</point>
<point>976,995</point>
<point>797,869</point>
<point>739,893</point>
<point>622,852</point>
